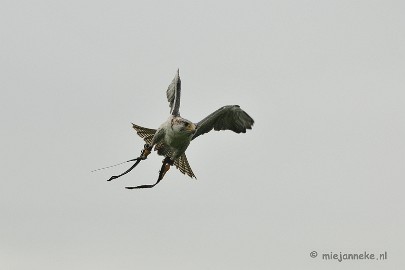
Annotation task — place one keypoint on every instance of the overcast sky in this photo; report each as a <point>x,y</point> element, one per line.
<point>322,170</point>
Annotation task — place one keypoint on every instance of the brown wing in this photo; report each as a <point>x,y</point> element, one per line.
<point>145,133</point>
<point>182,164</point>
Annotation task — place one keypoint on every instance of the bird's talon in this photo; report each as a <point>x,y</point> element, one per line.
<point>145,153</point>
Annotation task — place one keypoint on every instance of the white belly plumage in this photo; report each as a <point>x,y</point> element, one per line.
<point>177,141</point>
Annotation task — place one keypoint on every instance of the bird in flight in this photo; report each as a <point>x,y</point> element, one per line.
<point>173,137</point>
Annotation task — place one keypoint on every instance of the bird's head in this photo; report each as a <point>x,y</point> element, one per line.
<point>183,125</point>
<point>189,127</point>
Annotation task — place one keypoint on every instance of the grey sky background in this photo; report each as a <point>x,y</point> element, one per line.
<point>322,170</point>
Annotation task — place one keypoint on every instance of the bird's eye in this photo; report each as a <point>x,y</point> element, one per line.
<point>186,124</point>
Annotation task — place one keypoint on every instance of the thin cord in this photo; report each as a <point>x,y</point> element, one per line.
<point>112,166</point>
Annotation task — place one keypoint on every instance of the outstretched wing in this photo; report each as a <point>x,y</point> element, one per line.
<point>145,133</point>
<point>173,95</point>
<point>181,163</point>
<point>230,117</point>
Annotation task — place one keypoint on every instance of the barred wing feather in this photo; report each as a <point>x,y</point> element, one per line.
<point>145,133</point>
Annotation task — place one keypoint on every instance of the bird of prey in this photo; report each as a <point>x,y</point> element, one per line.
<point>173,137</point>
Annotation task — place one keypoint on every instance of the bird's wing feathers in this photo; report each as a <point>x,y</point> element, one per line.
<point>230,117</point>
<point>145,133</point>
<point>181,163</point>
<point>173,95</point>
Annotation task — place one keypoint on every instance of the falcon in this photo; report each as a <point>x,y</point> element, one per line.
<point>173,137</point>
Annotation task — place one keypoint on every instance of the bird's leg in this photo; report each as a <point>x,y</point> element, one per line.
<point>167,162</point>
<point>146,151</point>
<point>144,155</point>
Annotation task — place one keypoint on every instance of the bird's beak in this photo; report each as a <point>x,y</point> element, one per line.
<point>191,128</point>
